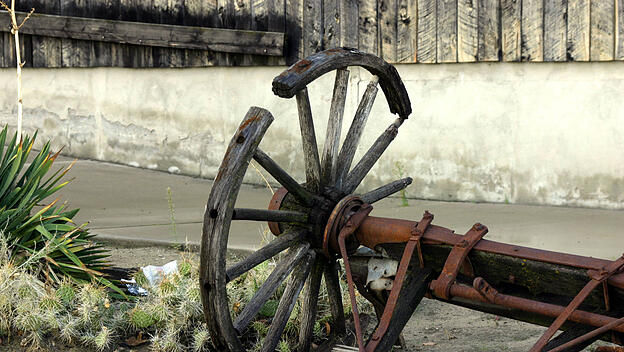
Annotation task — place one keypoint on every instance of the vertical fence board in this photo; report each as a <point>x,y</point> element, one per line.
<point>294,36</point>
<point>467,32</point>
<point>9,50</point>
<point>276,23</point>
<point>447,31</point>
<point>106,9</point>
<point>555,29</point>
<point>199,13</point>
<point>511,29</point>
<point>489,35</point>
<point>387,11</point>
<point>349,23</point>
<point>427,31</point>
<point>46,52</point>
<point>312,27</point>
<point>532,30</point>
<point>578,30</point>
<point>602,30</point>
<point>331,24</point>
<point>407,41</point>
<point>619,30</point>
<point>367,26</point>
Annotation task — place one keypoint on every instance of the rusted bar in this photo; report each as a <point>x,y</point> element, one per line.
<point>531,306</point>
<point>376,230</point>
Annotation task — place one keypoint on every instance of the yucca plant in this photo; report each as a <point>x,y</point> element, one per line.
<point>32,224</point>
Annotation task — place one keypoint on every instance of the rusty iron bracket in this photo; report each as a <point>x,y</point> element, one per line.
<point>349,228</point>
<point>442,285</point>
<point>417,233</point>
<point>597,278</point>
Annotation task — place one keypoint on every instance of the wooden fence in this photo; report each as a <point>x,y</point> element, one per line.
<point>277,32</point>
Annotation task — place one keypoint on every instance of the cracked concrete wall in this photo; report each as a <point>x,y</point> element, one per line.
<point>549,133</point>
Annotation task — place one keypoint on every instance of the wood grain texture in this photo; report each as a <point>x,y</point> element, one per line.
<point>294,256</point>
<point>349,14</point>
<point>555,29</point>
<point>198,13</point>
<point>309,307</point>
<point>215,231</point>
<point>141,54</point>
<point>533,30</point>
<point>447,31</point>
<point>312,27</point>
<point>47,51</point>
<point>427,31</point>
<point>578,30</point>
<point>75,52</point>
<point>287,303</point>
<point>294,35</point>
<point>332,283</point>
<point>331,23</point>
<point>467,30</point>
<point>367,25</point>
<point>511,28</point>
<point>619,30</point>
<point>308,141</point>
<point>489,35</point>
<point>349,146</point>
<point>277,23</point>
<point>284,241</point>
<point>387,19</point>
<point>329,160</point>
<point>386,190</point>
<point>602,47</point>
<point>407,29</point>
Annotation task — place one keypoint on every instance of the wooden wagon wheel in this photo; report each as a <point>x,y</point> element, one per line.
<point>303,211</point>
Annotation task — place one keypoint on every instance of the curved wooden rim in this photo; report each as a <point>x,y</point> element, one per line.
<point>304,71</point>
<point>217,219</point>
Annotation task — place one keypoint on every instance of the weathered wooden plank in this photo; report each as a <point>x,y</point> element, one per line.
<point>241,41</point>
<point>602,30</point>
<point>532,30</point>
<point>407,22</point>
<point>427,31</point>
<point>447,31</point>
<point>242,20</point>
<point>136,11</point>
<point>259,22</point>
<point>510,30</point>
<point>2,49</point>
<point>308,141</point>
<point>25,40</point>
<point>349,10</point>
<point>332,283</point>
<point>367,27</point>
<point>555,29</point>
<point>331,23</point>
<point>329,160</point>
<point>110,10</point>
<point>266,215</point>
<point>294,35</point>
<point>619,30</point>
<point>467,30</point>
<point>9,50</point>
<point>488,24</point>
<point>195,15</point>
<point>295,255</point>
<point>578,30</point>
<point>277,23</point>
<point>312,27</point>
<point>387,12</point>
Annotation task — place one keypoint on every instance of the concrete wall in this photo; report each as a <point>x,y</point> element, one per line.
<point>548,133</point>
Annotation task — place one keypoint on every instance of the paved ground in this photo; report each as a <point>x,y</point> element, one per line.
<point>123,202</point>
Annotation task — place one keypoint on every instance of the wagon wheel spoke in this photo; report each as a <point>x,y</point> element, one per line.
<point>310,304</point>
<point>370,158</point>
<point>332,282</point>
<point>308,139</point>
<point>286,240</point>
<point>352,139</point>
<point>269,215</point>
<point>386,190</point>
<point>329,161</point>
<point>287,302</point>
<point>293,187</point>
<point>279,274</point>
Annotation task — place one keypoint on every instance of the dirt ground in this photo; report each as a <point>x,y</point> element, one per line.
<point>435,326</point>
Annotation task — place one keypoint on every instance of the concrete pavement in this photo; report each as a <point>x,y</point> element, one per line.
<point>129,204</point>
